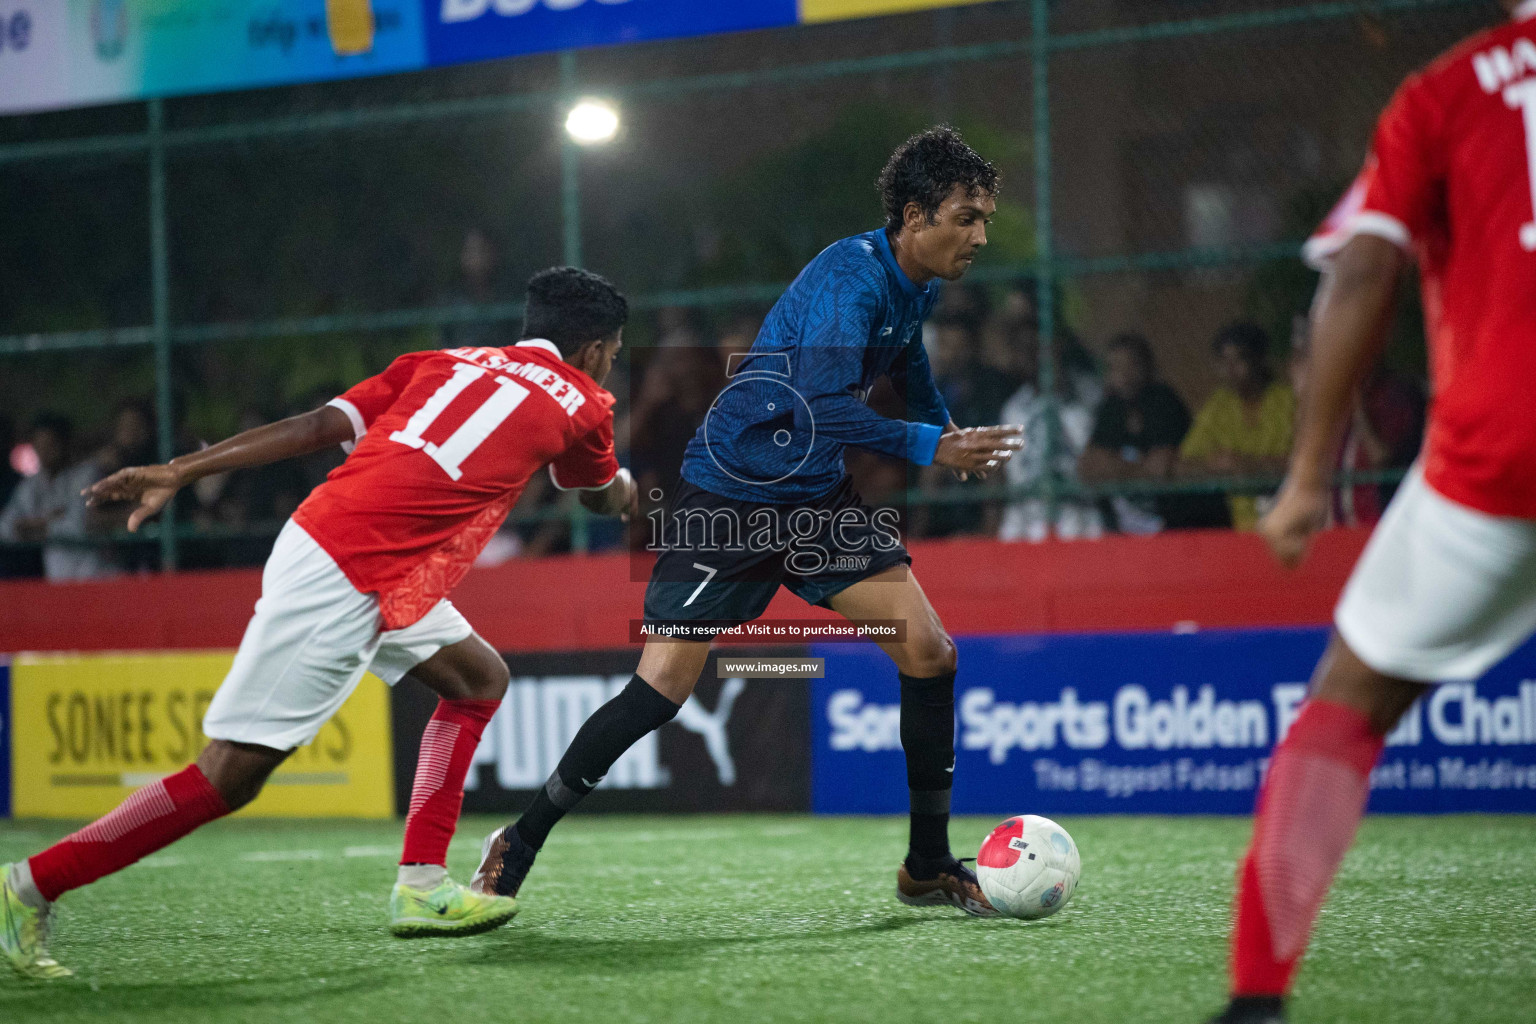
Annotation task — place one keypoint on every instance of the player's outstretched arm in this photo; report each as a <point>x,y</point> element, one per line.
<point>1349,327</point>
<point>978,449</point>
<point>153,486</point>
<point>619,498</point>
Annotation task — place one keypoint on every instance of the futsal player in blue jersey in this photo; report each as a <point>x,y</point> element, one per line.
<point>765,501</point>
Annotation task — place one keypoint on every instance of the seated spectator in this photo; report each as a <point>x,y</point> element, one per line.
<point>955,370</point>
<point>1029,518</point>
<point>1137,430</point>
<point>957,375</point>
<point>679,385</point>
<point>737,339</point>
<point>479,284</point>
<point>1384,433</point>
<point>132,443</point>
<point>246,500</point>
<point>9,476</point>
<point>133,438</point>
<point>13,561</point>
<point>1245,428</point>
<point>48,507</point>
<point>1006,354</point>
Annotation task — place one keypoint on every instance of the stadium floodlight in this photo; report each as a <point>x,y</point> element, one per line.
<point>592,122</point>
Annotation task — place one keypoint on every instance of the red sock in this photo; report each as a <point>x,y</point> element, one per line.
<point>149,820</point>
<point>1313,798</point>
<point>446,749</point>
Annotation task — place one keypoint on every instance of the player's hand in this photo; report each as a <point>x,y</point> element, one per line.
<point>620,498</point>
<point>978,450</point>
<point>151,486</point>
<point>1300,511</point>
<point>632,506</point>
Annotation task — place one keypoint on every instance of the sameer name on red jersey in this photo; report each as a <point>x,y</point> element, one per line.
<point>561,390</point>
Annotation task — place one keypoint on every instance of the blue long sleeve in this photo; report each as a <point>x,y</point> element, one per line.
<point>912,377</point>
<point>778,432</point>
<point>833,358</point>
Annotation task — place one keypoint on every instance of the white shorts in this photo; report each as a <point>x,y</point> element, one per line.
<point>1442,592</point>
<point>311,640</point>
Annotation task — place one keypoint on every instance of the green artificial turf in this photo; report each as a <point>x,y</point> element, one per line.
<point>747,919</point>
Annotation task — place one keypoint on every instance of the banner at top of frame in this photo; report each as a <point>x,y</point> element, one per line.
<point>467,30</point>
<point>70,53</point>
<point>840,10</point>
<point>464,30</point>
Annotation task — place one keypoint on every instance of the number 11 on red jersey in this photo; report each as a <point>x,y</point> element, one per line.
<point>1523,97</point>
<point>472,433</point>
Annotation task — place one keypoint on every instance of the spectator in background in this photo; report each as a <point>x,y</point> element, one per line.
<point>956,372</point>
<point>245,500</point>
<point>1245,428</point>
<point>1029,518</point>
<point>958,375</point>
<point>14,562</point>
<point>738,338</point>
<point>9,477</point>
<point>1137,430</point>
<point>48,507</point>
<point>679,386</point>
<point>133,438</point>
<point>1385,432</point>
<point>132,443</point>
<point>479,285</point>
<point>1007,353</point>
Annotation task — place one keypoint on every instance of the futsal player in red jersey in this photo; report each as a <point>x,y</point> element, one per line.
<point>1447,585</point>
<point>440,446</point>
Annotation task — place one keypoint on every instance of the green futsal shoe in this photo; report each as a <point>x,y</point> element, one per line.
<point>24,933</point>
<point>449,909</point>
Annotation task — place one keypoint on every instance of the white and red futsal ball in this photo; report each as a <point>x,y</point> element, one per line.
<point>1028,867</point>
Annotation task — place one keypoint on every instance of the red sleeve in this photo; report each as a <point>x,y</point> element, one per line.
<point>1398,191</point>
<point>590,463</point>
<point>367,400</point>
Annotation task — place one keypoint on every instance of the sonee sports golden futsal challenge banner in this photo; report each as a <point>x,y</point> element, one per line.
<point>88,729</point>
<point>71,53</point>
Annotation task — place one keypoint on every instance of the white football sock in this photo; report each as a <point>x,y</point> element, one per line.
<point>21,881</point>
<point>419,876</point>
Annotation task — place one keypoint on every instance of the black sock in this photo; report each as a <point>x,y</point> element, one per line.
<point>928,738</point>
<point>613,728</point>
<point>1256,1009</point>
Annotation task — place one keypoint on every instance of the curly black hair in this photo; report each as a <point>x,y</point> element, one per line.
<point>1251,341</point>
<point>926,169</point>
<point>572,308</point>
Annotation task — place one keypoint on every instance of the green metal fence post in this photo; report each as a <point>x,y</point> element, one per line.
<point>570,204</point>
<point>1045,274</point>
<point>160,286</point>
<point>570,165</point>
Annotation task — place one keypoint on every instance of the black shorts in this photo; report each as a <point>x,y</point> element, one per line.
<point>721,560</point>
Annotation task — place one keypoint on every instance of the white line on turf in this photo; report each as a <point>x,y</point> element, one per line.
<point>282,855</point>
<point>370,851</point>
<point>162,862</point>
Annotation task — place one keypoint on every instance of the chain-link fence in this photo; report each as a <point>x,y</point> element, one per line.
<point>178,269</point>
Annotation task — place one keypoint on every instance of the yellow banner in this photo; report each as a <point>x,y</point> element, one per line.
<point>840,10</point>
<point>90,729</point>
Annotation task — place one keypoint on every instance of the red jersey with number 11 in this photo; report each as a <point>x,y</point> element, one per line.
<point>1452,178</point>
<point>446,441</point>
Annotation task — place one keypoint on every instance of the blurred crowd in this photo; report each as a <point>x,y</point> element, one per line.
<point>1114,424</point>
<point>1110,447</point>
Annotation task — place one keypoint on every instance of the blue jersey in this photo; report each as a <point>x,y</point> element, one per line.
<point>797,399</point>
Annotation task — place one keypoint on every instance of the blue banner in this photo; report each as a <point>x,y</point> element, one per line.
<point>1156,724</point>
<point>465,30</point>
<point>67,53</point>
<point>5,740</point>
